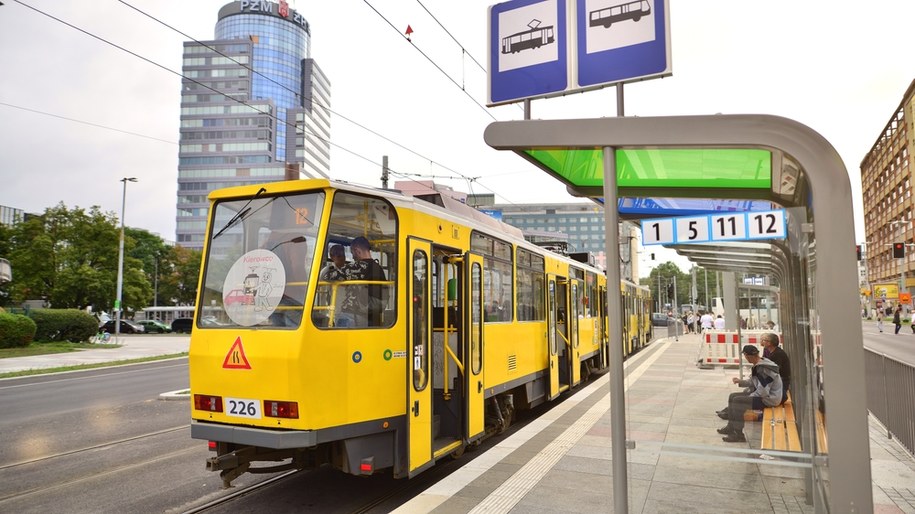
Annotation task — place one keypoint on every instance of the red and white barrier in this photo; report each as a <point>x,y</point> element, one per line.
<point>724,347</point>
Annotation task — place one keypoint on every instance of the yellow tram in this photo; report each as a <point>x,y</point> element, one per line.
<point>440,325</point>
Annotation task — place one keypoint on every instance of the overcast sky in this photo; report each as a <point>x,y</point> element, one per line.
<point>839,67</point>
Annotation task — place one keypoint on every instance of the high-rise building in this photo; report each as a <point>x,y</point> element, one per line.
<point>255,107</point>
<point>886,185</point>
<point>10,216</point>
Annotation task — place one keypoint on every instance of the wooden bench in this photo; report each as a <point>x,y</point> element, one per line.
<point>779,429</point>
<point>822,440</point>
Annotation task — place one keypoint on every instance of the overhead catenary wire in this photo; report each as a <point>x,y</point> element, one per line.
<point>242,102</point>
<point>432,61</point>
<point>74,120</point>
<point>458,174</point>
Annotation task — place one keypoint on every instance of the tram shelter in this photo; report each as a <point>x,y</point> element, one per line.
<point>676,166</point>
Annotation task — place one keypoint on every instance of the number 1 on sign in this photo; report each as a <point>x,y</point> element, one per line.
<point>658,231</point>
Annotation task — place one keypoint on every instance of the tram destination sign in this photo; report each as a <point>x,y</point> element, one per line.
<point>735,226</point>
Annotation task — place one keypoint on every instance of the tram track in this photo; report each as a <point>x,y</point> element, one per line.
<point>94,447</point>
<point>95,475</point>
<point>241,493</point>
<point>291,487</point>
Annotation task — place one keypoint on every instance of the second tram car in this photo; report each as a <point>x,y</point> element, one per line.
<point>441,324</point>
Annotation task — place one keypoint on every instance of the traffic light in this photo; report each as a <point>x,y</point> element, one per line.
<point>858,250</point>
<point>898,250</point>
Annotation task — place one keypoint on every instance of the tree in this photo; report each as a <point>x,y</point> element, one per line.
<point>178,275</point>
<point>151,255</point>
<point>5,249</point>
<point>668,272</point>
<point>69,257</point>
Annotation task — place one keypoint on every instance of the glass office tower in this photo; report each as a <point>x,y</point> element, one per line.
<point>254,108</point>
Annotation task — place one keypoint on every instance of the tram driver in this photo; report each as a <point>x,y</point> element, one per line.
<point>362,304</point>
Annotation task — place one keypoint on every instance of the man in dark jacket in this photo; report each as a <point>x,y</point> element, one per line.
<point>774,352</point>
<point>763,389</point>
<point>363,303</point>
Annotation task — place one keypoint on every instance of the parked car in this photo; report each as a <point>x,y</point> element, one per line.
<point>659,319</point>
<point>127,327</point>
<point>211,321</point>
<point>182,325</point>
<point>155,326</point>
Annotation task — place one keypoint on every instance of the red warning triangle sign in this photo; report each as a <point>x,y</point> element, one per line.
<point>236,359</point>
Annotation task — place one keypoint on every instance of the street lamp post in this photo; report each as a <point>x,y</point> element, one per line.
<point>117,303</point>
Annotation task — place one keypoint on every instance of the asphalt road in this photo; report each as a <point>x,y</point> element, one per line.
<point>900,347</point>
<point>100,441</point>
<point>103,441</point>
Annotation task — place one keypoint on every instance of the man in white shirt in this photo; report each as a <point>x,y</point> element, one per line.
<point>719,323</point>
<point>706,321</point>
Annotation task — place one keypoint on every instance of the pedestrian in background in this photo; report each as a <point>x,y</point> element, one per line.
<point>897,318</point>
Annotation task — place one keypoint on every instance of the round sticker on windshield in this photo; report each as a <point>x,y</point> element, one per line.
<point>253,287</point>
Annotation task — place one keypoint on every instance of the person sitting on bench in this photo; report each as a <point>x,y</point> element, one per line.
<point>763,389</point>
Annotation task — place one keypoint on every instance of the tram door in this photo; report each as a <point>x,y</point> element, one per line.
<point>557,335</point>
<point>419,391</point>
<point>473,346</point>
<point>604,343</point>
<point>574,351</point>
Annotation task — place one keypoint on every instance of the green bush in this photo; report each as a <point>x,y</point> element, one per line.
<point>16,330</point>
<point>63,325</point>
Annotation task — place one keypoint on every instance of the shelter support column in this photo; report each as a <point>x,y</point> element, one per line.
<point>615,321</point>
<point>731,308</point>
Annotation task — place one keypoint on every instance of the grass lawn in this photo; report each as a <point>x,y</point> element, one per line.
<point>48,348</point>
<point>63,347</point>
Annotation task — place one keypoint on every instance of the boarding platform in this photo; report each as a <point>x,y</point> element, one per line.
<point>676,462</point>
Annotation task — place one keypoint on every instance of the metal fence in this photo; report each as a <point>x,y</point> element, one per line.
<point>891,396</point>
<point>674,327</point>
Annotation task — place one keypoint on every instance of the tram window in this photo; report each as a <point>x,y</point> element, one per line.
<point>530,286</point>
<point>476,336</point>
<point>590,295</point>
<point>497,276</point>
<point>259,259</point>
<point>362,295</point>
<point>420,320</point>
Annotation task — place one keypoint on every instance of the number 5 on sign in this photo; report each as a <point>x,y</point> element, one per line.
<point>766,225</point>
<point>656,232</point>
<point>692,230</point>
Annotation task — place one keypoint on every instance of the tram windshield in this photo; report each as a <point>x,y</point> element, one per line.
<point>260,254</point>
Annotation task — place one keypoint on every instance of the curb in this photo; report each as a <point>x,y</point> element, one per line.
<point>179,395</point>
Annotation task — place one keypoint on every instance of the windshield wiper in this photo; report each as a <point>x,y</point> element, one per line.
<point>240,214</point>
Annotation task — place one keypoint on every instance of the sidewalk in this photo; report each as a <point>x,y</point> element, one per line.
<point>561,462</point>
<point>132,347</point>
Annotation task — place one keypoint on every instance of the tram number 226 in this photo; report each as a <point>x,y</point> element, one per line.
<point>243,408</point>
